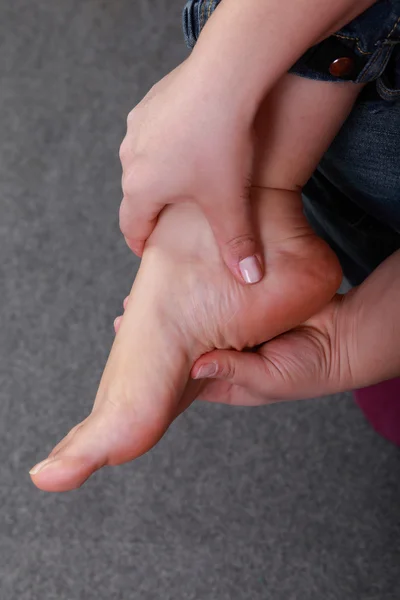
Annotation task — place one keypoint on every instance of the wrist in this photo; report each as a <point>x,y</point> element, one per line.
<point>368,329</point>
<point>215,85</point>
<point>245,48</point>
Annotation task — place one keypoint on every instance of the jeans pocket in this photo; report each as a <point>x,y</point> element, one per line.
<point>388,85</point>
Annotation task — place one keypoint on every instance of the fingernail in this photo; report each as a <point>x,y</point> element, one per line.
<point>40,466</point>
<point>250,269</point>
<point>207,371</point>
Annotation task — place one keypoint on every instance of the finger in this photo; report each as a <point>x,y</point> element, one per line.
<point>137,222</point>
<point>117,324</point>
<point>231,220</point>
<point>235,368</point>
<point>218,391</point>
<point>125,303</point>
<point>294,366</point>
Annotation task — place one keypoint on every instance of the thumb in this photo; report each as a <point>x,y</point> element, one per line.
<point>238,368</point>
<point>137,223</point>
<point>295,366</point>
<point>235,232</point>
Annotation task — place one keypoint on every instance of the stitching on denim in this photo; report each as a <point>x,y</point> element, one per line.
<point>209,9</point>
<point>203,10</point>
<point>391,32</point>
<point>357,39</point>
<point>385,90</point>
<point>371,64</point>
<point>353,39</point>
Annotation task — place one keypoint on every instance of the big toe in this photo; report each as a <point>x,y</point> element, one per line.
<point>109,436</point>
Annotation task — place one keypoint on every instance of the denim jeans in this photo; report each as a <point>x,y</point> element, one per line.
<point>353,198</point>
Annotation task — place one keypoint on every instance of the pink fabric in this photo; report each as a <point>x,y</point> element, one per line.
<point>381,405</point>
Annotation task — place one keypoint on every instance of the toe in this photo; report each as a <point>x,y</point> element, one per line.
<point>61,474</point>
<point>65,440</point>
<point>111,435</point>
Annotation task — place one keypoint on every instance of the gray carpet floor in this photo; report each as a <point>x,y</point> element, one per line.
<point>293,502</point>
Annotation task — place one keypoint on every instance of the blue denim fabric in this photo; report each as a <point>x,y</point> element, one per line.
<point>353,198</point>
<point>370,40</point>
<point>195,15</point>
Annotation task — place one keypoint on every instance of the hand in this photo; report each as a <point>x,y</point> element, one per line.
<point>188,141</point>
<point>177,311</point>
<point>312,360</point>
<point>351,343</point>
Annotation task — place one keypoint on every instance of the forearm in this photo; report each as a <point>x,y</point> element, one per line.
<point>295,125</point>
<point>370,324</point>
<point>246,46</point>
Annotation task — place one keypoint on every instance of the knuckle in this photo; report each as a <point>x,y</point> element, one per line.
<point>128,183</point>
<point>134,184</point>
<point>227,370</point>
<point>122,219</point>
<point>125,220</point>
<point>123,151</point>
<point>131,118</point>
<point>241,244</point>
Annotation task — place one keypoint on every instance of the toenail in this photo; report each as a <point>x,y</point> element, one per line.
<point>41,466</point>
<point>250,269</point>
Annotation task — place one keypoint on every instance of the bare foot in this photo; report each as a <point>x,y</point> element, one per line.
<point>184,302</point>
